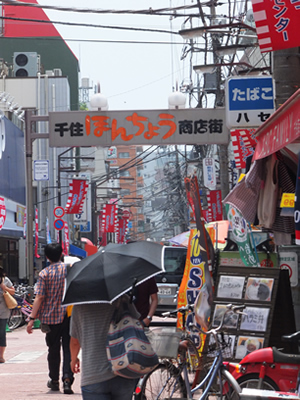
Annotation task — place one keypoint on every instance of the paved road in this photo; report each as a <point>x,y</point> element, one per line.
<point>24,375</point>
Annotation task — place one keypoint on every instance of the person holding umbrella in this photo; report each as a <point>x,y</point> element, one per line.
<point>93,287</point>
<point>47,307</point>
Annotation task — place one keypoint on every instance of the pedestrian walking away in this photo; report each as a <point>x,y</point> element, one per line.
<point>55,322</point>
<point>89,329</point>
<point>5,286</point>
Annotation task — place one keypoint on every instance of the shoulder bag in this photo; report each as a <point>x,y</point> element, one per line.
<point>128,349</point>
<point>10,301</point>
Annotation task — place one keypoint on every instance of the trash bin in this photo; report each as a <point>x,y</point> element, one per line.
<point>289,258</point>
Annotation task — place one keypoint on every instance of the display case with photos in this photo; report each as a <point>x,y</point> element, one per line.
<point>255,288</point>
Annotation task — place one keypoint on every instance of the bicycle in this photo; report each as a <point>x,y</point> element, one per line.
<point>170,379</point>
<point>19,314</point>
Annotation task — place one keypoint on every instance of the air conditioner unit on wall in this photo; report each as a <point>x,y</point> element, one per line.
<point>26,64</point>
<point>57,72</point>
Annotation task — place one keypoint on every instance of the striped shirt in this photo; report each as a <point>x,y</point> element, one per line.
<point>51,284</point>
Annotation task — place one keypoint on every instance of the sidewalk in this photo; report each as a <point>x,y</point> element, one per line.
<point>24,375</point>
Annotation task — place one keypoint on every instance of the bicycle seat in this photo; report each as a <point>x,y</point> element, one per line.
<point>280,357</point>
<point>293,337</point>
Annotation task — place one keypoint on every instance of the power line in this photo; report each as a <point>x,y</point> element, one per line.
<point>41,21</point>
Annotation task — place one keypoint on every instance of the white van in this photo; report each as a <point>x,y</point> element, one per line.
<point>168,282</point>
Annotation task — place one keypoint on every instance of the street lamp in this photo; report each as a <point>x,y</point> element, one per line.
<point>99,101</point>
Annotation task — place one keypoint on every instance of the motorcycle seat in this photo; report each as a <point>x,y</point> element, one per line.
<point>280,357</point>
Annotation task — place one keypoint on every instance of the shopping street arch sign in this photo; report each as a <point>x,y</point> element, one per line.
<point>142,127</point>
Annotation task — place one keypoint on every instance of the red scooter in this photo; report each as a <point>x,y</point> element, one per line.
<point>269,368</point>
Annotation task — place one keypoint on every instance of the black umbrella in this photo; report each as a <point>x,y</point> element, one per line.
<point>106,275</point>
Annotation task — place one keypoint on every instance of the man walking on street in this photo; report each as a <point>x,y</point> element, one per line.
<point>53,317</point>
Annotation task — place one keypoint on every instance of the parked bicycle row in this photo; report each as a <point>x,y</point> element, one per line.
<point>24,294</point>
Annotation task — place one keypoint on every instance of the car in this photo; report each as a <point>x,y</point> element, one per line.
<point>168,282</point>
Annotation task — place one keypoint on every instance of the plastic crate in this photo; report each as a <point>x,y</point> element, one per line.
<point>165,341</point>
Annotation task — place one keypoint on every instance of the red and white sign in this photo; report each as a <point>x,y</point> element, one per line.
<point>36,234</point>
<point>66,239</point>
<point>281,129</point>
<point>109,217</point>
<point>2,212</point>
<point>122,230</point>
<point>77,194</point>
<point>277,24</point>
<point>240,150</point>
<point>214,199</point>
<point>102,234</point>
<point>59,212</point>
<point>126,213</point>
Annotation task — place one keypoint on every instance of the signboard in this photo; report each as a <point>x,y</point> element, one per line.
<point>289,260</point>
<point>144,127</point>
<point>277,24</point>
<point>249,101</point>
<point>2,212</point>
<point>209,173</point>
<point>41,170</point>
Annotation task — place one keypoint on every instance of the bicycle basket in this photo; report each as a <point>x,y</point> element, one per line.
<point>165,341</point>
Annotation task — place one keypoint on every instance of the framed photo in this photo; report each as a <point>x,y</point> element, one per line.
<point>228,351</point>
<point>247,344</point>
<point>259,289</point>
<point>231,287</point>
<point>255,319</point>
<point>230,321</point>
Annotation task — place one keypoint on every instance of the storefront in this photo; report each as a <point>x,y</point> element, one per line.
<point>12,200</point>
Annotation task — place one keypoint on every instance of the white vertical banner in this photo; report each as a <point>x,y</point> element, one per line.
<point>85,217</point>
<point>209,173</point>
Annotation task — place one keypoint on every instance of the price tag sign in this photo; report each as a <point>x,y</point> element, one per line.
<point>287,200</point>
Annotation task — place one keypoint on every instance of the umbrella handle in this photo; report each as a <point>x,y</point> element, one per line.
<point>132,290</point>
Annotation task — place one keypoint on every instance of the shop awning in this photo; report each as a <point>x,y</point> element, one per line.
<point>77,251</point>
<point>281,129</point>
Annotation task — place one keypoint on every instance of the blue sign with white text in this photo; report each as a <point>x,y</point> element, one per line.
<point>250,93</point>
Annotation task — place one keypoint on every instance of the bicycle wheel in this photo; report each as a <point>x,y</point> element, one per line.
<point>251,381</point>
<point>15,319</point>
<point>164,382</point>
<point>227,389</point>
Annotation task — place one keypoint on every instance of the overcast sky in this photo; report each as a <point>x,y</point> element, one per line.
<point>132,76</point>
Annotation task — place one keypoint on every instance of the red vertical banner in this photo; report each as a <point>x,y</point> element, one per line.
<point>214,199</point>
<point>77,195</point>
<point>123,224</point>
<point>102,234</point>
<point>241,142</point>
<point>109,217</point>
<point>66,239</point>
<point>36,234</point>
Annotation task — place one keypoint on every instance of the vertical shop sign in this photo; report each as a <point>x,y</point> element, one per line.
<point>2,212</point>
<point>66,237</point>
<point>209,173</point>
<point>214,199</point>
<point>36,234</point>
